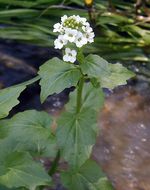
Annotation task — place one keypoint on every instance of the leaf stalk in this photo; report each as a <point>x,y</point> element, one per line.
<point>79,94</point>
<point>55,164</point>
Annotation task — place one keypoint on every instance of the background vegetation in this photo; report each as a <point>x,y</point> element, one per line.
<point>122,27</point>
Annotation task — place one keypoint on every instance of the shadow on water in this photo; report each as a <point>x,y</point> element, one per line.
<point>122,149</point>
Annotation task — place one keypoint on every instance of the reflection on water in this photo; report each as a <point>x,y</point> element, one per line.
<point>123,147</point>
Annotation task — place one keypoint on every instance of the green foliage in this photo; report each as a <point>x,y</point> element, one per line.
<point>92,98</point>
<point>88,177</point>
<point>95,66</point>
<point>29,131</point>
<point>109,75</point>
<point>56,75</point>
<point>76,135</point>
<point>9,96</point>
<point>18,13</point>
<point>5,188</point>
<point>104,184</point>
<point>18,169</point>
<point>118,76</point>
<point>121,34</point>
<point>9,99</point>
<point>84,178</point>
<point>28,136</point>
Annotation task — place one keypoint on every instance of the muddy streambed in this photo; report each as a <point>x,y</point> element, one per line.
<point>123,146</point>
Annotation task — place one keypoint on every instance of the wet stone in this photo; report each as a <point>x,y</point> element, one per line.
<point>123,146</point>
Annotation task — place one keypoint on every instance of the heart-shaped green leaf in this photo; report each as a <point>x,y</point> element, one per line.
<point>17,169</point>
<point>31,131</point>
<point>76,135</point>
<point>95,66</point>
<point>109,75</point>
<point>84,178</point>
<point>56,75</point>
<point>118,76</point>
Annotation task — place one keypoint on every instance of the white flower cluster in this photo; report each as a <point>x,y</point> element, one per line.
<point>73,29</point>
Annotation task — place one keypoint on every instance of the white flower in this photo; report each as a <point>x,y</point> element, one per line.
<point>87,29</point>
<point>80,40</point>
<point>70,34</point>
<point>70,55</point>
<point>83,20</point>
<point>73,29</point>
<point>63,18</point>
<point>87,24</point>
<point>57,27</point>
<point>90,37</point>
<point>60,42</point>
<point>78,18</point>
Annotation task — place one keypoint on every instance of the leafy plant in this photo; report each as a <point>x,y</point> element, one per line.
<point>29,136</point>
<point>122,35</point>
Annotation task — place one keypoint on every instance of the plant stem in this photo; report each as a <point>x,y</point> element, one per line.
<point>80,58</point>
<point>79,94</point>
<point>55,164</point>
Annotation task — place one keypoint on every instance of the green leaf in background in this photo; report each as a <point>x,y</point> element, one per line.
<point>31,131</point>
<point>18,13</point>
<point>56,75</point>
<point>114,19</point>
<point>85,178</point>
<point>120,35</point>
<point>109,75</point>
<point>76,135</point>
<point>9,99</point>
<point>5,188</point>
<point>17,169</point>
<point>92,97</point>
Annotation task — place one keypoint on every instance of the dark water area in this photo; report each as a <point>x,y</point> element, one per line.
<point>123,146</point>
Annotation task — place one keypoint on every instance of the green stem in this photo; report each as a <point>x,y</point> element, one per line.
<point>55,164</point>
<point>80,58</point>
<point>79,94</point>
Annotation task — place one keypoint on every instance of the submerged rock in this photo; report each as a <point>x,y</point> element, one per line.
<point>123,146</point>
